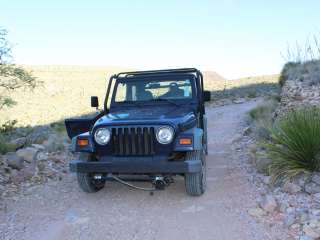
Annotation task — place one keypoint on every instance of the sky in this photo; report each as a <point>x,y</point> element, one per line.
<point>234,38</point>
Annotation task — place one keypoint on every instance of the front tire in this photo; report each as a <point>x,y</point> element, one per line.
<point>196,182</point>
<point>85,180</point>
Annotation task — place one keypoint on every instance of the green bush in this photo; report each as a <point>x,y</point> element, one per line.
<point>5,146</point>
<point>262,111</point>
<point>295,144</point>
<point>262,118</point>
<point>286,71</point>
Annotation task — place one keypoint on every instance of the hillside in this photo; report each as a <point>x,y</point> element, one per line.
<point>65,92</point>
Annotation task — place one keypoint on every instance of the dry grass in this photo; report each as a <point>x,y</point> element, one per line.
<point>66,91</point>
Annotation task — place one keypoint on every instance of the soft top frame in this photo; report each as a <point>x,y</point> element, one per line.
<point>163,72</point>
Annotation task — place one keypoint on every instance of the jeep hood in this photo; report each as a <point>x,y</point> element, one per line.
<point>148,116</point>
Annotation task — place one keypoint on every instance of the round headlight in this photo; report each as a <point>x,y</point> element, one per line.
<point>165,134</point>
<point>102,136</point>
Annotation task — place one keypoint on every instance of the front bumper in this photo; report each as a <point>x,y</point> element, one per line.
<point>141,165</point>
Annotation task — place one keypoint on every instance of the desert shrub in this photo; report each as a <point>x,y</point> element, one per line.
<point>262,118</point>
<point>5,146</point>
<point>58,126</point>
<point>8,127</point>
<point>286,71</point>
<point>295,144</point>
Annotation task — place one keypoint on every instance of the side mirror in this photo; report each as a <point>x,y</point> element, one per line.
<point>94,101</point>
<point>206,96</point>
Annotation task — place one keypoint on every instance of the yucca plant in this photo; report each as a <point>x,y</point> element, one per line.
<point>295,144</point>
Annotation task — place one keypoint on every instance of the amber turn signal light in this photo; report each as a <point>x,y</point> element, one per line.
<point>185,141</point>
<point>82,142</point>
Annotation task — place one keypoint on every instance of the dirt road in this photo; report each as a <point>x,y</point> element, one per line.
<point>61,211</point>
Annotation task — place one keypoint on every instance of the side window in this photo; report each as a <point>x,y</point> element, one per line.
<point>134,93</point>
<point>121,92</point>
<point>187,90</point>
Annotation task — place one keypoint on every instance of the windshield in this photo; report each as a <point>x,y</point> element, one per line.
<point>149,90</point>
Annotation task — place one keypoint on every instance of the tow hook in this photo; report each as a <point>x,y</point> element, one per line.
<point>160,182</point>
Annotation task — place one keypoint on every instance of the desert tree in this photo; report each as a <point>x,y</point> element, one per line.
<point>12,77</point>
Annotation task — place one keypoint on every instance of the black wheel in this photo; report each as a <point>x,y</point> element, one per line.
<point>85,180</point>
<point>196,182</point>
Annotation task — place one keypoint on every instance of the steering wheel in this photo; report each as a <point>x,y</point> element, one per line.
<point>173,85</point>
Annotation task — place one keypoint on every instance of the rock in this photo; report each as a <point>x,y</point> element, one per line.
<point>312,188</point>
<point>41,156</point>
<point>311,232</point>
<point>18,142</point>
<point>262,163</point>
<point>53,143</point>
<point>316,197</point>
<point>283,207</point>
<point>303,217</point>
<point>302,180</point>
<point>236,137</point>
<point>247,131</point>
<point>13,160</point>
<point>304,237</point>
<point>41,166</point>
<point>316,178</point>
<point>28,172</point>
<point>291,187</point>
<point>239,100</point>
<point>38,146</point>
<point>266,180</point>
<point>315,212</point>
<point>28,154</point>
<point>256,212</point>
<point>268,203</point>
<point>289,220</point>
<point>16,177</point>
<point>290,210</point>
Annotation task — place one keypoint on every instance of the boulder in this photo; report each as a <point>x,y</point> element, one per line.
<point>28,154</point>
<point>13,160</point>
<point>268,203</point>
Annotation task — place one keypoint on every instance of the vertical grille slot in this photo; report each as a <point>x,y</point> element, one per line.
<point>133,141</point>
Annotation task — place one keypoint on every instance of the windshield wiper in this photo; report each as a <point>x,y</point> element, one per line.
<point>166,100</point>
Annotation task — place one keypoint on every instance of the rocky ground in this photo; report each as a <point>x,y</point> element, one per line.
<point>295,204</point>
<point>238,203</point>
<point>33,164</point>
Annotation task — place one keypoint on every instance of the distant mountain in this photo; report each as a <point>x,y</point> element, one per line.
<point>212,76</point>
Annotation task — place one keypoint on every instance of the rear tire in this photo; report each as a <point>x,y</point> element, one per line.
<point>196,182</point>
<point>85,180</point>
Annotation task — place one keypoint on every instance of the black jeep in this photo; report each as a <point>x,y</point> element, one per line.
<point>152,127</point>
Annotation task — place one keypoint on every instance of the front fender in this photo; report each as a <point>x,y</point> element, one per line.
<point>88,148</point>
<point>197,143</point>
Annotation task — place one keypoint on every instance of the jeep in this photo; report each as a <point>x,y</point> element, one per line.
<point>152,128</point>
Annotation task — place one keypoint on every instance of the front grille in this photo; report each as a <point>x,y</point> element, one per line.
<point>133,141</point>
